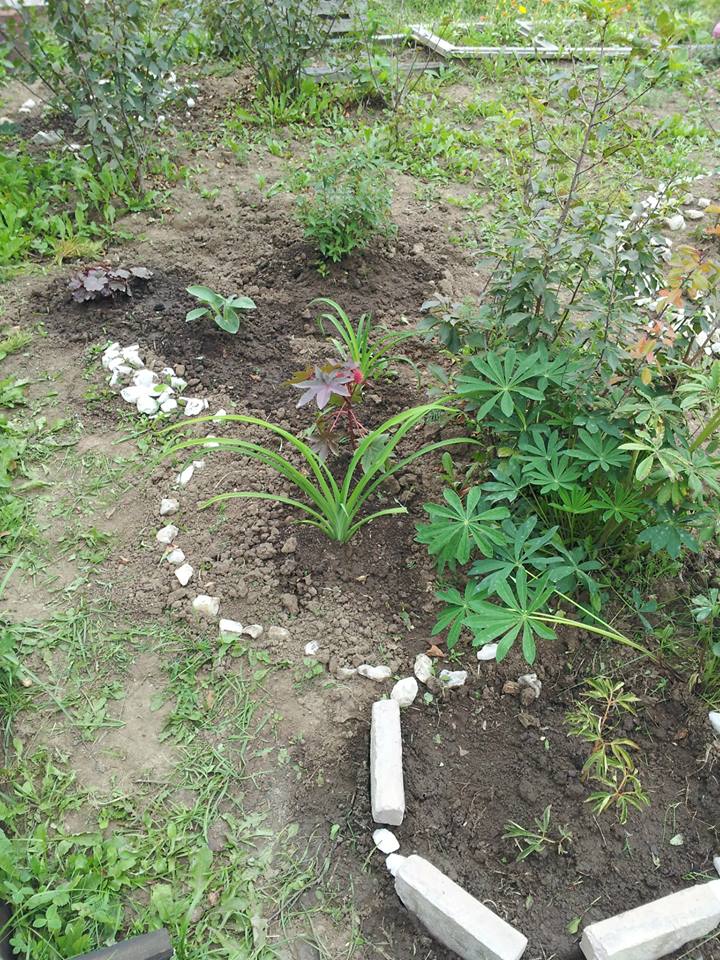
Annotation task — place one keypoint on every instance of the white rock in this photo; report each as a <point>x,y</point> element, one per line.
<point>199,464</point>
<point>133,394</point>
<point>393,863</point>
<point>385,841</point>
<point>206,606</point>
<point>404,693</point>
<point>714,718</point>
<point>230,626</point>
<point>423,668</point>
<point>167,372</point>
<point>190,102</point>
<point>184,574</point>
<point>692,214</point>
<point>703,202</point>
<point>145,378</point>
<point>254,630</point>
<point>701,339</point>
<point>148,405</point>
<point>453,678</point>
<point>184,478</point>
<point>167,534</point>
<point>311,648</point>
<point>168,507</point>
<point>131,355</point>
<point>531,680</point>
<point>175,556</point>
<point>453,917</point>
<point>169,405</point>
<point>716,864</point>
<point>194,407</point>
<point>657,928</point>
<point>374,673</point>
<point>27,106</point>
<point>488,652</point>
<point>277,635</point>
<point>221,413</point>
<point>676,222</point>
<point>177,383</point>
<point>387,791</point>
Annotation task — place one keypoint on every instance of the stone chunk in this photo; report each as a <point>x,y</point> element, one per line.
<point>453,917</point>
<point>231,626</point>
<point>387,791</point>
<point>374,673</point>
<point>206,606</point>
<point>657,928</point>
<point>405,691</point>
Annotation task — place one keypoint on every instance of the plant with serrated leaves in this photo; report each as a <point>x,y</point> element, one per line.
<point>345,201</point>
<point>335,506</point>
<point>223,310</point>
<point>113,73</point>
<point>598,714</point>
<point>101,281</point>
<point>529,840</point>
<point>276,37</point>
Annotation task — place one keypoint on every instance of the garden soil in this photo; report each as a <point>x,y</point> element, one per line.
<point>475,758</point>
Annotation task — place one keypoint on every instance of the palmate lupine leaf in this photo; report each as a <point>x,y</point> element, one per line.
<point>599,452</point>
<point>458,607</point>
<point>520,614</point>
<point>520,551</point>
<point>458,528</point>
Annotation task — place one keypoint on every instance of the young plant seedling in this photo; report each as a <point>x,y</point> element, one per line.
<point>610,764</point>
<point>223,310</point>
<point>529,841</point>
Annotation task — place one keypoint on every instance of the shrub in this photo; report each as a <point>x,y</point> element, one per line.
<point>347,202</point>
<point>112,73</point>
<point>274,36</point>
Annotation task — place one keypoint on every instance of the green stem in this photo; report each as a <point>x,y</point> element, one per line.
<point>709,429</point>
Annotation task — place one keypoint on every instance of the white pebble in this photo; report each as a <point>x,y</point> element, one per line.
<point>385,841</point>
<point>345,673</point>
<point>488,652</point>
<point>184,574</point>
<point>254,630</point>
<point>175,556</point>
<point>194,407</point>
<point>692,214</point>
<point>184,478</point>
<point>206,606</point>
<point>145,378</point>
<point>453,678</point>
<point>133,394</point>
<point>374,673</point>
<point>190,102</point>
<point>169,405</point>
<point>404,692</point>
<point>311,648</point>
<point>703,202</point>
<point>231,626</point>
<point>167,534</point>
<point>676,222</point>
<point>423,667</point>
<point>714,718</point>
<point>148,405</point>
<point>393,862</point>
<point>168,506</point>
<point>716,864</point>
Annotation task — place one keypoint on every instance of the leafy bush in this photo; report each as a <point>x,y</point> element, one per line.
<point>223,310</point>
<point>333,506</point>
<point>101,281</point>
<point>113,73</point>
<point>347,204</point>
<point>274,36</point>
<point>579,475</point>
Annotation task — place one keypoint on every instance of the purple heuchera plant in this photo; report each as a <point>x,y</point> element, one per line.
<point>102,280</point>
